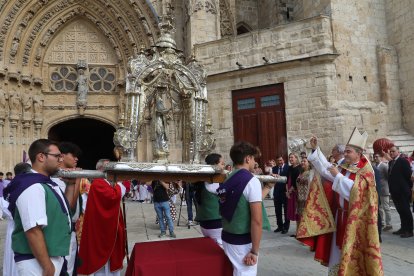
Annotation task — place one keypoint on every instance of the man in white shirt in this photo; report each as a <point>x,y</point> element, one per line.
<point>42,234</point>
<point>241,211</point>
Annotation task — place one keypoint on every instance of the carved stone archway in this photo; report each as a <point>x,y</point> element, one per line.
<point>94,137</point>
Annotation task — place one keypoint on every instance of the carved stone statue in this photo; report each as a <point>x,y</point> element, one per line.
<point>15,103</point>
<point>160,138</point>
<point>4,108</point>
<point>82,81</point>
<point>38,105</point>
<point>27,100</point>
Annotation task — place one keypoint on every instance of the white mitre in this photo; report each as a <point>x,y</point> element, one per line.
<point>357,139</point>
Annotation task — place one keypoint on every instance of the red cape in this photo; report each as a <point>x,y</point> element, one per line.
<point>103,232</point>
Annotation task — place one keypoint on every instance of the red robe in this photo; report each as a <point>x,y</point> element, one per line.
<point>103,232</point>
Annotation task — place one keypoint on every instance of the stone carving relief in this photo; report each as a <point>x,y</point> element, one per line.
<point>15,104</point>
<point>197,6</point>
<point>226,19</point>
<point>121,10</point>
<point>38,106</point>
<point>82,85</point>
<point>4,107</point>
<point>211,7</point>
<point>80,41</point>
<point>5,27</point>
<point>27,101</point>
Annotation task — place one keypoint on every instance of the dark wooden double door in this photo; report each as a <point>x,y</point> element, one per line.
<point>259,118</point>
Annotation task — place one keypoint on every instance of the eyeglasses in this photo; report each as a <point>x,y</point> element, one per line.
<point>56,155</point>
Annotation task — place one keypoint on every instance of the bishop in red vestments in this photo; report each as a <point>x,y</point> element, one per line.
<point>340,217</point>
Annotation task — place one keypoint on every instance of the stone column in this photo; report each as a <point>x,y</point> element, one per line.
<point>38,123</point>
<point>26,130</point>
<point>202,22</point>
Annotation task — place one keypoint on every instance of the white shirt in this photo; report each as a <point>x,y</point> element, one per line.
<point>341,183</point>
<point>32,206</point>
<point>62,186</point>
<point>212,187</point>
<point>253,190</point>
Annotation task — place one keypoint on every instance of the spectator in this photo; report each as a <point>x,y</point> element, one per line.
<point>257,170</point>
<point>302,184</point>
<point>279,196</point>
<point>9,265</point>
<point>173,189</point>
<point>2,186</point>
<point>302,155</point>
<point>8,179</point>
<point>291,189</point>
<point>400,184</point>
<point>189,199</point>
<point>385,211</point>
<point>162,207</point>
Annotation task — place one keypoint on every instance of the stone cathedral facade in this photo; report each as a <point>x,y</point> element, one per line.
<point>299,67</point>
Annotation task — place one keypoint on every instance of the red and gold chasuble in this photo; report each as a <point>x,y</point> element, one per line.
<point>356,227</point>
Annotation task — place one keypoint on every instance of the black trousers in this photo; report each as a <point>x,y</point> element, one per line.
<point>281,204</point>
<point>402,204</point>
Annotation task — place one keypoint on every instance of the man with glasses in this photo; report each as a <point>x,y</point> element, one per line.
<point>41,214</point>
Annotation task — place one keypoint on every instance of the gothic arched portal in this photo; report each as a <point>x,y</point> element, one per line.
<point>92,136</point>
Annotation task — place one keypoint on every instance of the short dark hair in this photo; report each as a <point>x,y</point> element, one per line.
<point>242,149</point>
<point>69,147</point>
<point>213,159</point>
<point>22,168</point>
<point>8,173</point>
<point>1,173</point>
<point>39,146</point>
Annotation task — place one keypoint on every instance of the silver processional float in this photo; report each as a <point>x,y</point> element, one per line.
<point>165,103</point>
<point>164,107</point>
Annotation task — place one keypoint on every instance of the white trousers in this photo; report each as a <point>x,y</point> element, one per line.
<point>385,210</point>
<point>104,271</point>
<point>215,234</point>
<point>73,247</point>
<point>32,267</point>
<point>236,254</point>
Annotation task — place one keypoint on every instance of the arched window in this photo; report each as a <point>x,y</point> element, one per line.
<point>243,28</point>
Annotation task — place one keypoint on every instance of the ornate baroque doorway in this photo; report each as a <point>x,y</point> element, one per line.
<point>92,136</point>
<point>259,118</point>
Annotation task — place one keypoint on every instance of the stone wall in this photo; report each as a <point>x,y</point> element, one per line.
<point>360,38</point>
<point>298,40</point>
<point>300,56</point>
<point>247,12</point>
<point>400,20</point>
<point>304,8</point>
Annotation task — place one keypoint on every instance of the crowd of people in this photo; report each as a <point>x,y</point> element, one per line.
<point>65,231</point>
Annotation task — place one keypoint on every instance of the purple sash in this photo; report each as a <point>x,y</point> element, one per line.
<point>230,192</point>
<point>20,183</point>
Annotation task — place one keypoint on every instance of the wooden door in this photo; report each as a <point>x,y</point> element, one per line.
<point>259,118</point>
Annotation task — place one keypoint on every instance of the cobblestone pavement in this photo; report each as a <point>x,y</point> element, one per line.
<point>279,254</point>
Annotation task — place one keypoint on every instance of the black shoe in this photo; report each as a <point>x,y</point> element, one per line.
<point>399,232</point>
<point>293,236</point>
<point>284,231</point>
<point>406,235</point>
<point>278,230</point>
